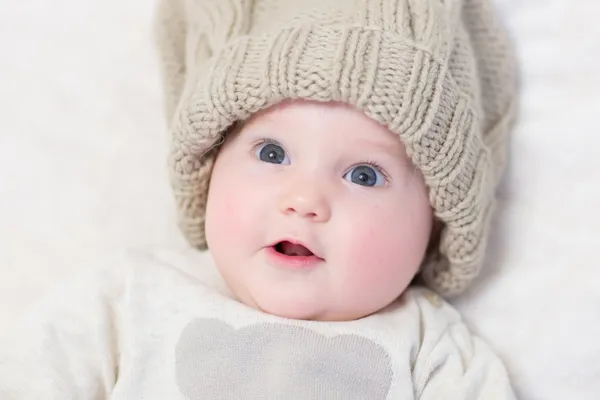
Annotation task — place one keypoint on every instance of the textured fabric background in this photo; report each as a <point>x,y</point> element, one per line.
<point>82,173</point>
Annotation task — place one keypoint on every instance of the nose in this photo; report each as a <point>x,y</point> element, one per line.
<point>305,200</point>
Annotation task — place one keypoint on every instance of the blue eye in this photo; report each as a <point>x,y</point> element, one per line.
<point>272,153</point>
<point>365,175</point>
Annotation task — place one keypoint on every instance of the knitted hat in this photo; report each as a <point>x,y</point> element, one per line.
<point>439,73</point>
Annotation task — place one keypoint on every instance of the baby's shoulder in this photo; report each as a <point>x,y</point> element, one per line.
<point>168,265</point>
<point>121,277</point>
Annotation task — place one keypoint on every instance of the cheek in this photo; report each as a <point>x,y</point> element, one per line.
<point>232,210</point>
<point>223,209</point>
<point>387,247</point>
<point>375,260</point>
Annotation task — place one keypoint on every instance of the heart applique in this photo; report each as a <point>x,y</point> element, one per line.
<point>277,361</point>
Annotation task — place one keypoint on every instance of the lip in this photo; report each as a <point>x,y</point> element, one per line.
<point>295,241</point>
<point>294,262</point>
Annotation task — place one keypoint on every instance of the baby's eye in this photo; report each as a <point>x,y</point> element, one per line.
<point>272,153</point>
<point>365,175</point>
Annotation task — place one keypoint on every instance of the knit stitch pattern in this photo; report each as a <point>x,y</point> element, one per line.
<point>439,74</point>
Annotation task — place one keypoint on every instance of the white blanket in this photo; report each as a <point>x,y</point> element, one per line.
<point>82,174</point>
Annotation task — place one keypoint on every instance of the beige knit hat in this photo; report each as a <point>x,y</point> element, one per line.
<point>439,73</point>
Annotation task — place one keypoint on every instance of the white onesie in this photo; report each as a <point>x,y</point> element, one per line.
<point>153,326</point>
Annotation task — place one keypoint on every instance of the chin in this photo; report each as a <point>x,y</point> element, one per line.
<point>307,313</point>
<point>289,311</point>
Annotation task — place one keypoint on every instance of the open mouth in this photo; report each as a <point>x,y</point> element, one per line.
<point>292,249</point>
<point>294,255</point>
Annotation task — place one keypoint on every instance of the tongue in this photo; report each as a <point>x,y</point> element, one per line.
<point>292,249</point>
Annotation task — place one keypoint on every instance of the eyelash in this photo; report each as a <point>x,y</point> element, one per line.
<point>264,141</point>
<point>377,166</point>
<point>370,163</point>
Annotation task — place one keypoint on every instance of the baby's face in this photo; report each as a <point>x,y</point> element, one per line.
<point>315,212</point>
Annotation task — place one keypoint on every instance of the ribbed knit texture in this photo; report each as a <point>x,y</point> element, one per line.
<point>440,74</point>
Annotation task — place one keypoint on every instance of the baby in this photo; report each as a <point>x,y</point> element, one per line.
<point>339,159</point>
